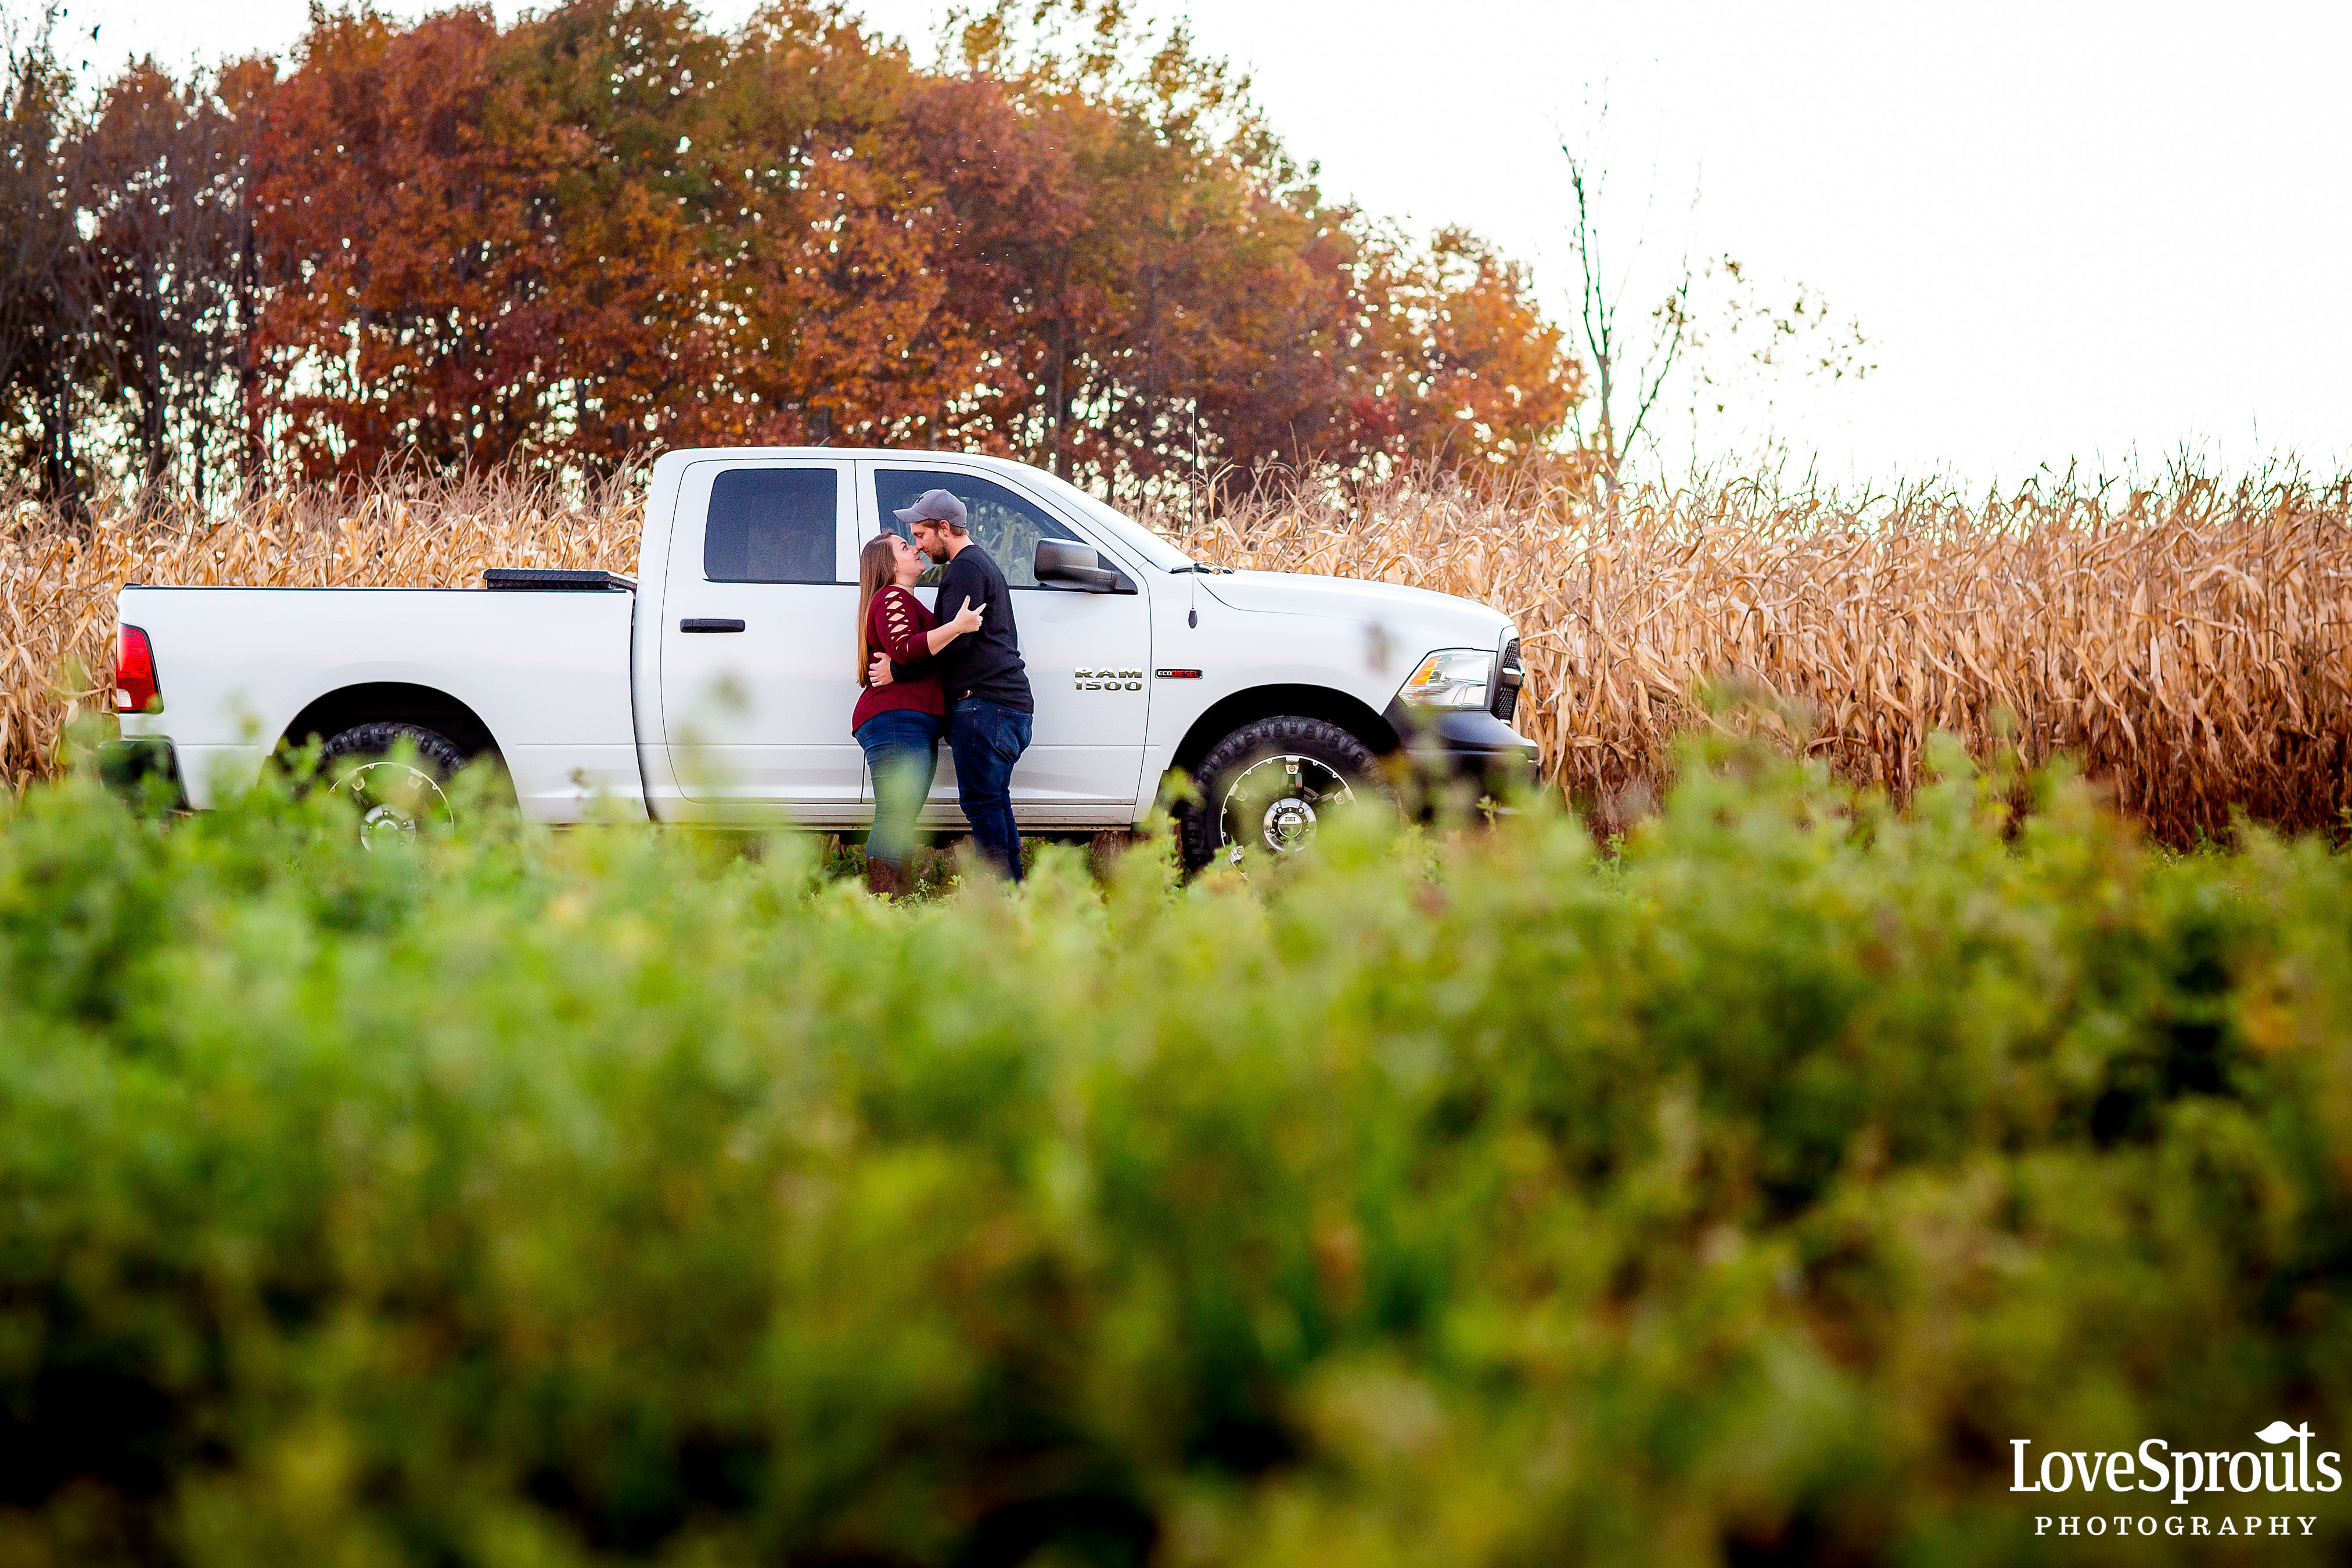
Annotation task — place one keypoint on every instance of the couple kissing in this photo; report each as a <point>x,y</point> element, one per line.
<point>925,676</point>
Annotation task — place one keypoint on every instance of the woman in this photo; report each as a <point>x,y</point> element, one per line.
<point>898,722</point>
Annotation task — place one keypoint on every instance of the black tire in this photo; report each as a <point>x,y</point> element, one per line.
<point>1318,766</point>
<point>392,798</point>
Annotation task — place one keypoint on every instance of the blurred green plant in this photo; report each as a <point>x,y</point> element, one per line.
<point>608,1195</point>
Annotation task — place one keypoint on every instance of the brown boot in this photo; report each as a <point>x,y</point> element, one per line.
<point>881,879</point>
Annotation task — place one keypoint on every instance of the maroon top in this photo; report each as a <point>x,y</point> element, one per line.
<point>895,623</point>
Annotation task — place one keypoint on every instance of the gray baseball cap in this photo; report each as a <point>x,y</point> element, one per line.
<point>934,506</point>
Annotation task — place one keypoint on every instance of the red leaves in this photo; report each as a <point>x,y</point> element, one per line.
<point>604,228</point>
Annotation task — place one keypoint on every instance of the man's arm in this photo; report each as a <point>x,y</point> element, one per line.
<point>907,651</point>
<point>942,663</point>
<point>958,583</point>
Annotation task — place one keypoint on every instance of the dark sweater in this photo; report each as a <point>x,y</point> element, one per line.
<point>985,664</point>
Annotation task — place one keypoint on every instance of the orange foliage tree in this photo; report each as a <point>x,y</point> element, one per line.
<point>607,227</point>
<point>478,245</point>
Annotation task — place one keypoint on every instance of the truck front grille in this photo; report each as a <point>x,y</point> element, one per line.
<point>1506,695</point>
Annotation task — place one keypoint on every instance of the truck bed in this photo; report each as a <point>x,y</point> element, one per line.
<point>547,675</point>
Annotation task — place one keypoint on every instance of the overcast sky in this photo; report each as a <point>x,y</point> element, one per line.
<point>2092,233</point>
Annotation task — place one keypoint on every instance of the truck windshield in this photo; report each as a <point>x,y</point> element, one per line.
<point>1156,552</point>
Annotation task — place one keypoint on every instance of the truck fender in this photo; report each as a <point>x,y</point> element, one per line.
<point>1247,706</point>
<point>391,701</point>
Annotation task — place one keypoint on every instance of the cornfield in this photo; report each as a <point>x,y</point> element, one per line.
<point>2185,643</point>
<point>57,580</point>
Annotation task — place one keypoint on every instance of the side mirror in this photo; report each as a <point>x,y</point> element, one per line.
<point>1079,565</point>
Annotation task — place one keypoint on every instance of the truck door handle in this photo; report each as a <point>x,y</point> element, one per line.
<point>691,625</point>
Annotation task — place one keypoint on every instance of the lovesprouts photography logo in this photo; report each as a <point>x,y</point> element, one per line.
<point>2190,1474</point>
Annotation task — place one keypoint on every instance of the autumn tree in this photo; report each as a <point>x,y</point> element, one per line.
<point>607,228</point>
<point>622,211</point>
<point>45,283</point>
<point>838,262</point>
<point>171,289</point>
<point>1190,281</point>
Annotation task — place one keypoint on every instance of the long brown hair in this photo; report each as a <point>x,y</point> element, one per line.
<point>877,568</point>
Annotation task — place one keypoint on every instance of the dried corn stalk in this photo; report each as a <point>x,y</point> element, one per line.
<point>2187,644</point>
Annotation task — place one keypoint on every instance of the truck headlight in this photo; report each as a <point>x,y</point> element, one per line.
<point>1451,677</point>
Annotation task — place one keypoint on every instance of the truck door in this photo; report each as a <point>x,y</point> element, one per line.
<point>758,639</point>
<point>1089,656</point>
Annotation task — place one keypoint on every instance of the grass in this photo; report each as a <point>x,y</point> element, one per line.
<point>613,1196</point>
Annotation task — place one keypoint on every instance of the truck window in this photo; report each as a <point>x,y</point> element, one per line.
<point>771,525</point>
<point>1007,526</point>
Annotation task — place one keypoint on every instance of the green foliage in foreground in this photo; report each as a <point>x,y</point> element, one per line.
<point>611,1196</point>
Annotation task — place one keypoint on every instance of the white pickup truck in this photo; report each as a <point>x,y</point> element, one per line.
<point>716,687</point>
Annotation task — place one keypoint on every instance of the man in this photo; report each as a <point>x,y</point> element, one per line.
<point>990,708</point>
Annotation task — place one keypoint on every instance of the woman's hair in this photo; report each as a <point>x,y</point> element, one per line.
<point>877,568</point>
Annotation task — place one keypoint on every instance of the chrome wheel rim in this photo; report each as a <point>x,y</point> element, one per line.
<point>1277,804</point>
<point>394,801</point>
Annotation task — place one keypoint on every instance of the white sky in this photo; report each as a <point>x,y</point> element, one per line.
<point>2090,233</point>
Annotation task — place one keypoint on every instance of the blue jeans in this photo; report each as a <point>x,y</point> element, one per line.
<point>902,750</point>
<point>987,739</point>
